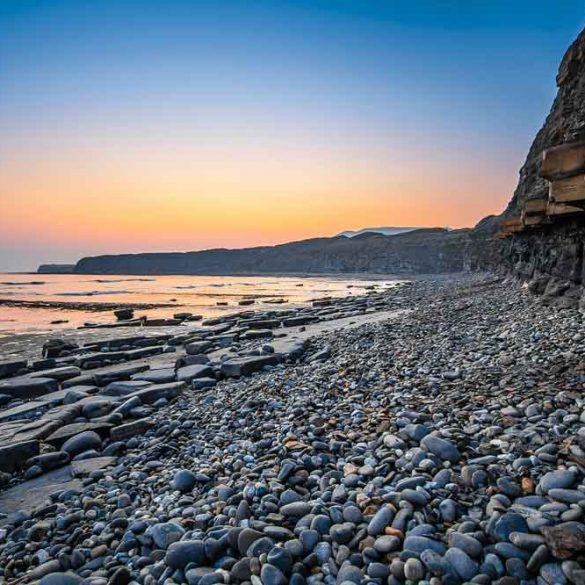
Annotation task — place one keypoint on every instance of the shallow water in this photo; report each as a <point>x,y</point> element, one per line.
<point>194,294</point>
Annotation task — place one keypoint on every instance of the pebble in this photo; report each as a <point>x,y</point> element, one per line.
<point>414,570</point>
<point>440,447</point>
<point>463,565</point>
<point>184,480</point>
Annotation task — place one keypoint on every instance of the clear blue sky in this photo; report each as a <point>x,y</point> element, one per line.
<point>134,125</point>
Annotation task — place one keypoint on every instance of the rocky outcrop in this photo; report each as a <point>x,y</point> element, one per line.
<point>421,251</point>
<point>540,237</point>
<point>564,124</point>
<point>55,268</point>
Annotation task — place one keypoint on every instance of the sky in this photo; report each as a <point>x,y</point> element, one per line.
<point>130,126</point>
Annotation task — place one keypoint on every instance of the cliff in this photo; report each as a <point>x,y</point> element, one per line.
<point>419,251</point>
<point>56,268</point>
<point>541,233</point>
<point>564,124</point>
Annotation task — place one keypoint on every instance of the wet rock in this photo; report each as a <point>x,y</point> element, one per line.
<point>184,480</point>
<point>82,442</point>
<point>565,540</point>
<point>562,478</point>
<point>14,455</point>
<point>442,448</point>
<point>29,387</point>
<point>189,373</point>
<point>166,533</point>
<point>245,366</point>
<point>182,553</point>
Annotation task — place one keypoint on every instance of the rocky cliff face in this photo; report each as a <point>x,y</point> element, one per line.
<point>545,230</point>
<point>564,124</point>
<point>420,251</point>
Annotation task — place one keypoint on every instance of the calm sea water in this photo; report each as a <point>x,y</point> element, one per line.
<point>195,294</point>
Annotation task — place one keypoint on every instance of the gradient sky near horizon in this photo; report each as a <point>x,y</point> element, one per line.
<point>160,125</point>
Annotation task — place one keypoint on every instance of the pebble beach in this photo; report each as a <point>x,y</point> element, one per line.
<point>430,433</point>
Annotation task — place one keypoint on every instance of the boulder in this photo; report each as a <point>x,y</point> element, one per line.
<point>95,408</point>
<point>201,383</point>
<point>82,442</point>
<point>189,360</point>
<point>48,461</point>
<point>63,434</point>
<point>124,314</point>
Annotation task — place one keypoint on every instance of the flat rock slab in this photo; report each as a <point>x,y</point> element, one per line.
<point>33,493</point>
<point>244,366</point>
<point>257,334</point>
<point>38,405</point>
<point>131,429</point>
<point>9,368</point>
<point>61,435</point>
<point>22,410</point>
<point>142,352</point>
<point>261,323</point>
<point>99,358</point>
<point>13,456</point>
<point>86,466</point>
<point>124,388</point>
<point>156,391</point>
<point>36,430</point>
<point>160,376</point>
<point>116,374</point>
<point>28,387</point>
<point>188,373</point>
<point>301,320</point>
<point>59,374</point>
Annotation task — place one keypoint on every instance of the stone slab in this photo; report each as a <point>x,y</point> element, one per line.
<point>27,387</point>
<point>156,391</point>
<point>61,435</point>
<point>244,366</point>
<point>130,429</point>
<point>86,466</point>
<point>11,367</point>
<point>14,456</point>
<point>34,493</point>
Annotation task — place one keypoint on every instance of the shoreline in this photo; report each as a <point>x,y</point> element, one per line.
<point>65,303</point>
<point>340,275</point>
<point>436,432</point>
<point>82,305</point>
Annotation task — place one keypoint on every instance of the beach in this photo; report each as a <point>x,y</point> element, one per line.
<point>44,303</point>
<point>431,432</point>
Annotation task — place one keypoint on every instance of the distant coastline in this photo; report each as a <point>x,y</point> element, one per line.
<point>420,251</point>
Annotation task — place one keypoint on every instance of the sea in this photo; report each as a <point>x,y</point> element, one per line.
<point>208,296</point>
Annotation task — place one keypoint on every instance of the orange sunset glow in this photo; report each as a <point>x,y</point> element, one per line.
<point>201,126</point>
